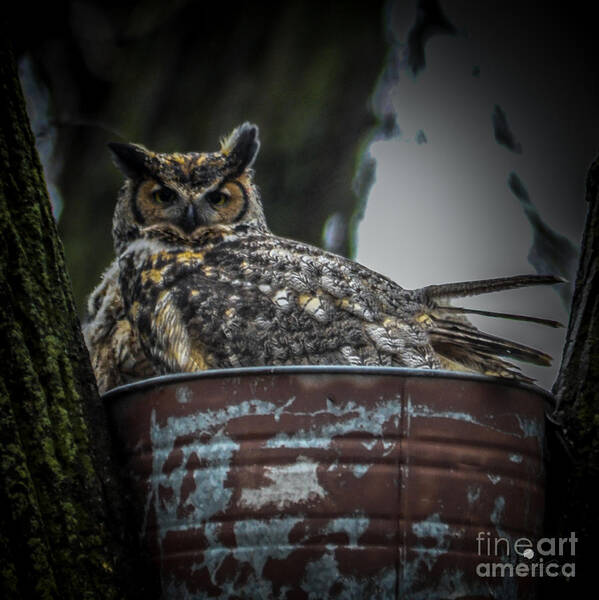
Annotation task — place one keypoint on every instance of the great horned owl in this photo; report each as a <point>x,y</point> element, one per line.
<point>200,282</point>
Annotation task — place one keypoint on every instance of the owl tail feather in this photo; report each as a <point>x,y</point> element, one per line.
<point>501,315</point>
<point>450,333</point>
<point>458,342</point>
<point>485,286</point>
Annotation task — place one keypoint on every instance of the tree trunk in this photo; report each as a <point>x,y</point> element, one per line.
<point>574,445</point>
<point>62,510</point>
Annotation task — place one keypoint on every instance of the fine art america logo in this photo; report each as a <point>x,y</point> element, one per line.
<point>547,557</point>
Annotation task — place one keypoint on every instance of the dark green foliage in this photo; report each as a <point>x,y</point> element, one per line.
<point>178,77</point>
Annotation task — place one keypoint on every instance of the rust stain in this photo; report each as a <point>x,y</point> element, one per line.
<point>347,483</point>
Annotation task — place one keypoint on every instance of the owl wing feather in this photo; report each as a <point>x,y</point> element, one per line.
<point>424,318</point>
<point>258,299</point>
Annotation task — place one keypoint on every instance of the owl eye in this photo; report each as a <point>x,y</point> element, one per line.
<point>217,198</point>
<point>164,196</point>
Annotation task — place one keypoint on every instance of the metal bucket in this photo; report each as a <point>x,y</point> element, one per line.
<point>334,482</point>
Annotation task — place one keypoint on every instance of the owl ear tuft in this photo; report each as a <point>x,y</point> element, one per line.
<point>241,147</point>
<point>131,159</point>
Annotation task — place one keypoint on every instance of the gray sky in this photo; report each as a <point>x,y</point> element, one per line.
<point>443,208</point>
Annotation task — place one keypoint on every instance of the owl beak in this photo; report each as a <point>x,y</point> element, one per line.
<point>191,221</point>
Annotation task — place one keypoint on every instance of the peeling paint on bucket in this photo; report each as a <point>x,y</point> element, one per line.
<point>331,482</point>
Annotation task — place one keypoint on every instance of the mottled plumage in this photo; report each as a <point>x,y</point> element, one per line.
<point>200,282</point>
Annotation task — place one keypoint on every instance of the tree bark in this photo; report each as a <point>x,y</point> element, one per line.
<point>61,523</point>
<point>574,445</point>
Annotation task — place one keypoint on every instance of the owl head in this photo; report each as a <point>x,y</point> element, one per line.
<point>184,192</point>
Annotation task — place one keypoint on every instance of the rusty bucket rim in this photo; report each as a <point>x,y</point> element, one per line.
<point>402,372</point>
